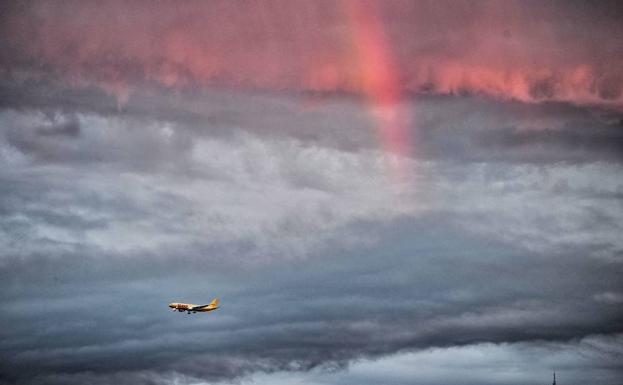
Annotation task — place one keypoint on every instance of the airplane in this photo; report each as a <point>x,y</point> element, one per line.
<point>189,307</point>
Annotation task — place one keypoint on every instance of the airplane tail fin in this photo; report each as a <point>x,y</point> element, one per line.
<point>214,303</point>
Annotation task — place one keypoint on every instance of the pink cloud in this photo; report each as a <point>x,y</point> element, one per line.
<point>513,50</point>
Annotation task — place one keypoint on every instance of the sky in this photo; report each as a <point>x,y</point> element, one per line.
<point>402,192</point>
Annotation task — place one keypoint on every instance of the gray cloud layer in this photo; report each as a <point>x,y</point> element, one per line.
<point>506,230</point>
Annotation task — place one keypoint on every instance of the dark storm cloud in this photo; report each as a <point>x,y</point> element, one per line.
<point>313,270</point>
<point>464,129</point>
<point>481,130</point>
<point>325,310</point>
<point>606,140</point>
<point>516,364</point>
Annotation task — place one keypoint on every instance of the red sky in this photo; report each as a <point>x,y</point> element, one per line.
<point>530,51</point>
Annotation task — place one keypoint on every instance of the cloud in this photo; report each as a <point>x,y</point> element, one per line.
<point>471,364</point>
<point>465,129</point>
<point>322,182</point>
<point>533,52</point>
<point>319,259</point>
<point>105,314</point>
<point>477,364</point>
<point>157,152</point>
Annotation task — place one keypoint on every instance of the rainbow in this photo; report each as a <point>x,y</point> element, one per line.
<point>377,78</point>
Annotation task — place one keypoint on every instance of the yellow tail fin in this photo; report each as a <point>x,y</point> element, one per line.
<point>214,303</point>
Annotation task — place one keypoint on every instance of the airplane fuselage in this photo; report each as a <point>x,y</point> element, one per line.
<point>190,307</point>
